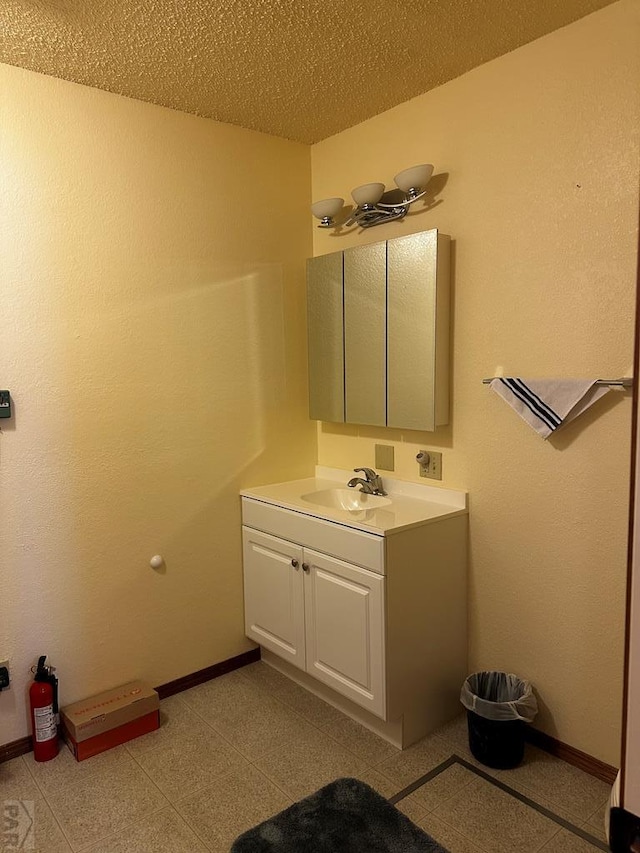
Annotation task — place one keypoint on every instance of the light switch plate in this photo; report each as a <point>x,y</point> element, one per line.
<point>385,457</point>
<point>433,469</point>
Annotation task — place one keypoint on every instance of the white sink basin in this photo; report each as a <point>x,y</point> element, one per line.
<point>347,499</point>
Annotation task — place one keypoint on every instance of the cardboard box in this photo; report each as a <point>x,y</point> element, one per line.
<point>109,719</point>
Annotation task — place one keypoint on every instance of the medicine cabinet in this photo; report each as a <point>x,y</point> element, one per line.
<point>378,326</point>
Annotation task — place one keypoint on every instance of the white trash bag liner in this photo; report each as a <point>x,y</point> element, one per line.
<point>499,696</point>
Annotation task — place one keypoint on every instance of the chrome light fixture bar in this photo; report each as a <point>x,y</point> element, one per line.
<point>374,206</point>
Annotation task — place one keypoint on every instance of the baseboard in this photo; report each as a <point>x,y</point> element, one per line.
<point>573,756</point>
<point>24,745</point>
<point>570,754</point>
<point>15,748</point>
<point>210,672</point>
<point>543,741</point>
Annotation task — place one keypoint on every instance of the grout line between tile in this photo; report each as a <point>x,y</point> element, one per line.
<point>31,775</point>
<point>275,784</point>
<point>459,832</point>
<point>188,796</point>
<point>153,782</point>
<point>474,840</point>
<point>80,849</point>
<point>569,815</point>
<point>592,829</point>
<point>191,793</point>
<point>549,840</point>
<point>133,823</point>
<point>191,827</point>
<point>289,707</point>
<point>49,805</point>
<point>422,780</point>
<point>206,723</point>
<point>532,794</point>
<point>86,848</point>
<point>235,748</point>
<point>562,822</point>
<point>598,814</point>
<point>455,794</point>
<point>281,701</point>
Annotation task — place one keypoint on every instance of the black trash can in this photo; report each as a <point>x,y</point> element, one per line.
<point>499,705</point>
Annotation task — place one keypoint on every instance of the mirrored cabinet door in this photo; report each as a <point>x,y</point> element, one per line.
<point>325,321</point>
<point>418,331</point>
<point>365,322</point>
<point>379,333</point>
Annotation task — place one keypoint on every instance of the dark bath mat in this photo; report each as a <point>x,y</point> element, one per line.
<point>345,816</point>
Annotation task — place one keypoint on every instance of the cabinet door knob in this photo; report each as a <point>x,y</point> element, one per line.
<point>305,567</point>
<point>295,564</point>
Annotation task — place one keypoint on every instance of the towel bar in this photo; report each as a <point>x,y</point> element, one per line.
<point>625,382</point>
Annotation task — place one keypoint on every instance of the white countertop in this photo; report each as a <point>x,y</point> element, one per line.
<point>412,504</point>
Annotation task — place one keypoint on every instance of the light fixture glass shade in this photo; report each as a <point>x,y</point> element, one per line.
<point>367,194</point>
<point>327,207</point>
<point>416,177</point>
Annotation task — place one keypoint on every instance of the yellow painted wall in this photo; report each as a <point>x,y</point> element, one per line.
<point>153,338</point>
<point>540,153</point>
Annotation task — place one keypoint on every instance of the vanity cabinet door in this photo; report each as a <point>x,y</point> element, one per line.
<point>344,610</point>
<point>274,594</point>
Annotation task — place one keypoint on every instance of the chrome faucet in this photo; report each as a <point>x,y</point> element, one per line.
<point>371,485</point>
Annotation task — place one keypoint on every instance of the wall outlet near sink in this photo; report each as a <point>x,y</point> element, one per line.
<point>430,462</point>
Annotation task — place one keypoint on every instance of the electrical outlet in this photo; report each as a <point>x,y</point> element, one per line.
<point>4,674</point>
<point>5,404</point>
<point>430,462</point>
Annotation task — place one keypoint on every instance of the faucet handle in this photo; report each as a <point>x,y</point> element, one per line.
<point>369,473</point>
<point>374,481</point>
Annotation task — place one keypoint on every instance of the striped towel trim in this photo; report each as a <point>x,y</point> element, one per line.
<point>547,404</point>
<point>535,404</point>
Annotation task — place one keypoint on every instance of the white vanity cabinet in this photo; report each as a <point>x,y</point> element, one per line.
<point>374,622</point>
<point>323,615</point>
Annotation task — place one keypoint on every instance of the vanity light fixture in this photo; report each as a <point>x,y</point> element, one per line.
<point>375,206</point>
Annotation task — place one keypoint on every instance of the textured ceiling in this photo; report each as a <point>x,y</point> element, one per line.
<point>301,69</point>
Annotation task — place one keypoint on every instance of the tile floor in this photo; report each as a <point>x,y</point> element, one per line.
<point>238,749</point>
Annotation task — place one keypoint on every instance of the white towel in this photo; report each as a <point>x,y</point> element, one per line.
<point>547,404</point>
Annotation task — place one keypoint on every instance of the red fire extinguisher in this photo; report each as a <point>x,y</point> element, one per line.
<point>43,698</point>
